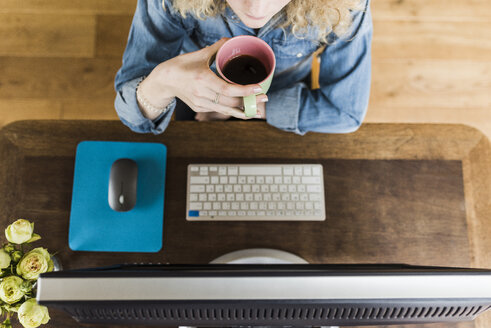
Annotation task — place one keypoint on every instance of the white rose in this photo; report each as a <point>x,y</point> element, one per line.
<point>20,231</point>
<point>32,315</point>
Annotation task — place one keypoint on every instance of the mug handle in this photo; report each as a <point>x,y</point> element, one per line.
<point>250,107</point>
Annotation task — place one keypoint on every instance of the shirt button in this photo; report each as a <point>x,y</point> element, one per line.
<point>299,54</point>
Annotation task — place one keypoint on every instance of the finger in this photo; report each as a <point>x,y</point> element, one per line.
<point>222,99</point>
<point>235,112</point>
<point>232,90</point>
<point>236,102</point>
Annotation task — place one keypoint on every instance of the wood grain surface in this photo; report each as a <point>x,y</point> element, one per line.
<point>394,193</point>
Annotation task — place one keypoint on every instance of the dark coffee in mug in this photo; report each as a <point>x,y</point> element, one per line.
<point>245,69</point>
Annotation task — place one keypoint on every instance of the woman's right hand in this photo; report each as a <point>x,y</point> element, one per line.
<point>189,78</point>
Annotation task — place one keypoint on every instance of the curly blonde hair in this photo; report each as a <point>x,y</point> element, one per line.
<point>328,16</point>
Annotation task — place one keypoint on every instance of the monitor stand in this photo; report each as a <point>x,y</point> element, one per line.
<point>261,256</point>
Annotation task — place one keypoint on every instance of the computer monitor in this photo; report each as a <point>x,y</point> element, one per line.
<point>268,295</point>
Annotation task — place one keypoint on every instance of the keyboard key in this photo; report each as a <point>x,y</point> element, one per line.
<point>313,188</point>
<point>232,170</point>
<point>195,206</point>
<point>260,170</point>
<point>193,213</point>
<point>200,180</point>
<point>197,188</point>
<point>311,180</point>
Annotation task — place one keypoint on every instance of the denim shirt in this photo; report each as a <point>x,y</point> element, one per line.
<point>338,106</point>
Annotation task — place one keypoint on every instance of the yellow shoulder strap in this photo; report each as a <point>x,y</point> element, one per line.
<point>316,67</point>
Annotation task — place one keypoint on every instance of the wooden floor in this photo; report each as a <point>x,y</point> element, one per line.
<point>431,60</point>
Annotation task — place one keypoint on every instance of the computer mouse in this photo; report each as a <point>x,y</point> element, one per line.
<point>122,185</point>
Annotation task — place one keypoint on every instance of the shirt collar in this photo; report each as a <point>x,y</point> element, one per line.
<point>231,17</point>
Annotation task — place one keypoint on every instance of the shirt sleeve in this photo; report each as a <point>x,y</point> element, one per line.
<point>156,35</point>
<point>341,102</point>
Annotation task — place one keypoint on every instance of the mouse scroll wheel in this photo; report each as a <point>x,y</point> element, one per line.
<point>121,199</point>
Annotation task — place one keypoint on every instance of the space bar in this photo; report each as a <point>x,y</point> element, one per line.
<point>260,170</point>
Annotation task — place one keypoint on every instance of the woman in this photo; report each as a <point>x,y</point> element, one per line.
<point>171,42</point>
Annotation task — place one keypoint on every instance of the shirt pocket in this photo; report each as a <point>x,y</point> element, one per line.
<point>290,52</point>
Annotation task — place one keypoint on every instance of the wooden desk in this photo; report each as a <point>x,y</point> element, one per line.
<point>395,193</point>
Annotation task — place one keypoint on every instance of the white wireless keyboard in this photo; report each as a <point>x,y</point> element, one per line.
<point>253,192</point>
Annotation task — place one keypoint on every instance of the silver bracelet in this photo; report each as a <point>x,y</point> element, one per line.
<point>146,105</point>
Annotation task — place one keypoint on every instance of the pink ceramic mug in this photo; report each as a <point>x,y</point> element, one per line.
<point>252,46</point>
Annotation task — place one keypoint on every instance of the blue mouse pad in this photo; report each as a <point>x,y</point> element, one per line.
<point>94,225</point>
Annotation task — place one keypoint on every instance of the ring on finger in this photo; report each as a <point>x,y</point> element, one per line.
<point>217,98</point>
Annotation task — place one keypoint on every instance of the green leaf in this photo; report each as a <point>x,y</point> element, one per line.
<point>34,237</point>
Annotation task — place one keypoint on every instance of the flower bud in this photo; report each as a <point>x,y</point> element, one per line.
<point>32,315</point>
<point>16,256</point>
<point>4,259</point>
<point>9,248</point>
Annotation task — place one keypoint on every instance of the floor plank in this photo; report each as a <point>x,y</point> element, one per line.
<point>57,77</point>
<point>112,35</point>
<point>88,109</point>
<point>80,7</point>
<point>431,84</point>
<point>434,10</point>
<point>431,40</point>
<point>47,35</point>
<point>33,109</point>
